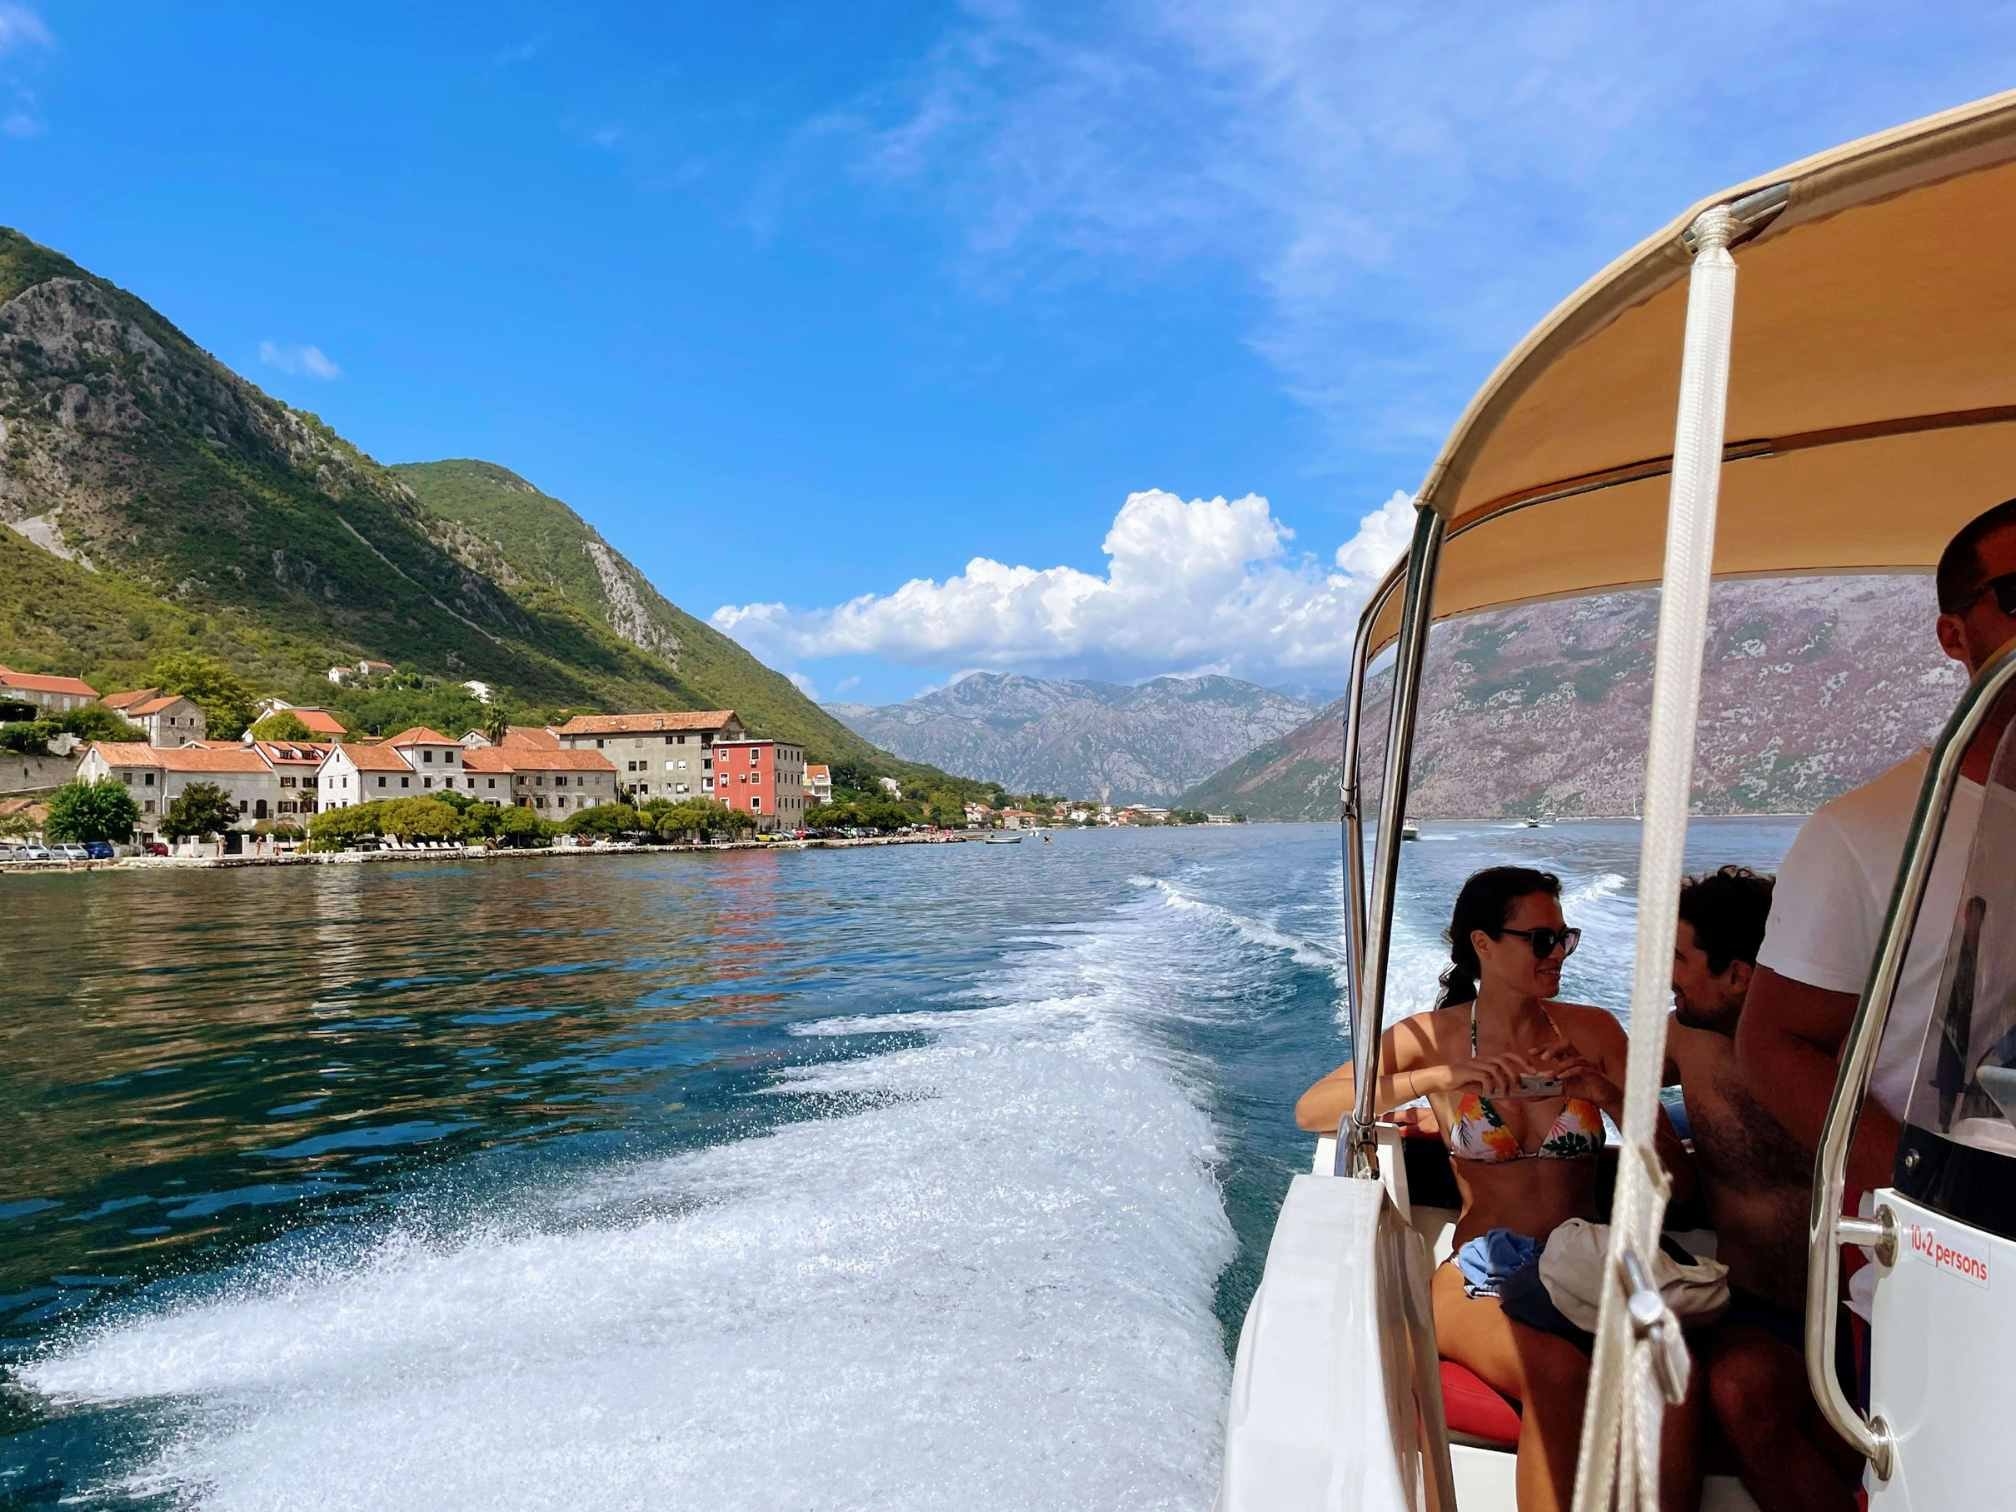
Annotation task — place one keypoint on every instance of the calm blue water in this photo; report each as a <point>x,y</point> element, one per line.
<point>923,1177</point>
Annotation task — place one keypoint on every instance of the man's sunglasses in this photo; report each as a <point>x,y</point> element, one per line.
<point>1544,940</point>
<point>2004,589</point>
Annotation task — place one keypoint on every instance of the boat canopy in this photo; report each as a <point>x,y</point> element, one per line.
<point>1872,407</point>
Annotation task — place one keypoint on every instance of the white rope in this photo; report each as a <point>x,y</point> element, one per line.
<point>1619,1462</point>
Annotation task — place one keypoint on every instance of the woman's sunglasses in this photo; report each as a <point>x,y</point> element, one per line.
<point>1545,940</point>
<point>2004,589</point>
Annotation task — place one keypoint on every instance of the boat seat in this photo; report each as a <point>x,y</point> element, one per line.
<point>1477,1413</point>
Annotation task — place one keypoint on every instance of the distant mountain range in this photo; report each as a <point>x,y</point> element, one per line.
<point>1140,744</point>
<point>1810,686</point>
<point>159,502</point>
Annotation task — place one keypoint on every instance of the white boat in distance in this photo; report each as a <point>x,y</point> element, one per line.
<point>1871,416</point>
<point>1003,840</point>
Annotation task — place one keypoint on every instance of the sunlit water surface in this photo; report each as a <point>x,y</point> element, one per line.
<point>915,1178</point>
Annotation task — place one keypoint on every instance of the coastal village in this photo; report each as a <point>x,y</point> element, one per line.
<point>273,789</point>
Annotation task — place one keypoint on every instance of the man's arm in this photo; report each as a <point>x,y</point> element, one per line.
<point>1788,1049</point>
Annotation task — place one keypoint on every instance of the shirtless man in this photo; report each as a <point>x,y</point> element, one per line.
<point>1757,1181</point>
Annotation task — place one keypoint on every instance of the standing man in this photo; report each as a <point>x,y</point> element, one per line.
<point>1835,884</point>
<point>1834,889</point>
<point>1757,1181</point>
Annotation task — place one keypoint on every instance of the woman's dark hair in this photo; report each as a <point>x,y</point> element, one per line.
<point>1485,903</point>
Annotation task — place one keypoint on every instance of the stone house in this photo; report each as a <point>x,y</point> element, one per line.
<point>167,719</point>
<point>354,774</point>
<point>298,766</point>
<point>664,755</point>
<point>158,775</point>
<point>49,695</point>
<point>555,783</point>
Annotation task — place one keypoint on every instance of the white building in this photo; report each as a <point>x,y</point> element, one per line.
<point>891,786</point>
<point>50,695</point>
<point>818,783</point>
<point>480,691</point>
<point>435,757</point>
<point>354,774</point>
<point>159,775</point>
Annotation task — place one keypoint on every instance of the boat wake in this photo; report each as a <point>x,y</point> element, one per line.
<point>981,1272</point>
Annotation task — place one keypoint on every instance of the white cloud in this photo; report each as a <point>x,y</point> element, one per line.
<point>608,138</point>
<point>21,27</point>
<point>1187,583</point>
<point>1402,191</point>
<point>846,685</point>
<point>21,124</point>
<point>804,685</point>
<point>306,361</point>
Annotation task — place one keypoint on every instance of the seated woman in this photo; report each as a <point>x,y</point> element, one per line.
<point>1524,1159</point>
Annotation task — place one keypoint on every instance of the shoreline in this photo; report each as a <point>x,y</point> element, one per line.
<point>473,853</point>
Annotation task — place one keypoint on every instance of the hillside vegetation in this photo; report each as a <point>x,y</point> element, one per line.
<point>1808,688</point>
<point>173,506</point>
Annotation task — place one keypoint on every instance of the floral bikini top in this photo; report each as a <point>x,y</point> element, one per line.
<point>1481,1133</point>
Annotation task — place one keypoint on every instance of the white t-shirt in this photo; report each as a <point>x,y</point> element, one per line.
<point>1827,913</point>
<point>1832,894</point>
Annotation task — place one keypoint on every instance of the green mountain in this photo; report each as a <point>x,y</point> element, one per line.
<point>159,502</point>
<point>546,553</point>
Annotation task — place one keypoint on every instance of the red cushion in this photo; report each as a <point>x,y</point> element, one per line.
<point>1474,1409</point>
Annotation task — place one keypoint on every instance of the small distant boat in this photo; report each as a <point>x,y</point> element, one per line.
<point>1532,824</point>
<point>1003,840</point>
<point>1410,832</point>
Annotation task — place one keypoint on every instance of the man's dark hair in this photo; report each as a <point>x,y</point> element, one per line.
<point>1728,909</point>
<point>1958,580</point>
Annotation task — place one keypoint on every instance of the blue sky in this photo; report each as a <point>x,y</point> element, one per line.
<point>905,339</point>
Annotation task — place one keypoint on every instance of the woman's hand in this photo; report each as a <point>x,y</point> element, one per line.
<point>1493,1075</point>
<point>1580,1077</point>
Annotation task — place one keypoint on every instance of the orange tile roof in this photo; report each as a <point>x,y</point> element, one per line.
<point>124,701</point>
<point>375,758</point>
<point>191,758</point>
<point>814,771</point>
<point>530,738</point>
<point>34,682</point>
<point>318,721</point>
<point>154,705</point>
<point>420,735</point>
<point>492,759</point>
<point>530,760</point>
<point>646,724</point>
<point>292,752</point>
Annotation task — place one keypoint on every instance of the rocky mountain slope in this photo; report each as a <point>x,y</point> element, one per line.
<point>1140,744</point>
<point>1810,686</point>
<point>158,501</point>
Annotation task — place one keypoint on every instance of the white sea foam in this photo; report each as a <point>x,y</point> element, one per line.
<point>989,1283</point>
<point>1302,951</point>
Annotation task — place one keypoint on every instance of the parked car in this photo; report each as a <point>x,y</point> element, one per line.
<point>34,852</point>
<point>154,847</point>
<point>69,853</point>
<point>99,850</point>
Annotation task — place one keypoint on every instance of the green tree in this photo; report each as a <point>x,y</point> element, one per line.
<point>497,724</point>
<point>334,829</point>
<point>420,819</point>
<point>282,724</point>
<point>101,810</point>
<point>225,698</point>
<point>607,820</point>
<point>520,827</point>
<point>201,810</point>
<point>18,825</point>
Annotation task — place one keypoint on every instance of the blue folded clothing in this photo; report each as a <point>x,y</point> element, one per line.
<point>1492,1256</point>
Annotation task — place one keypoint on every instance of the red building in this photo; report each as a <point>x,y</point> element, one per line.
<point>763,778</point>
